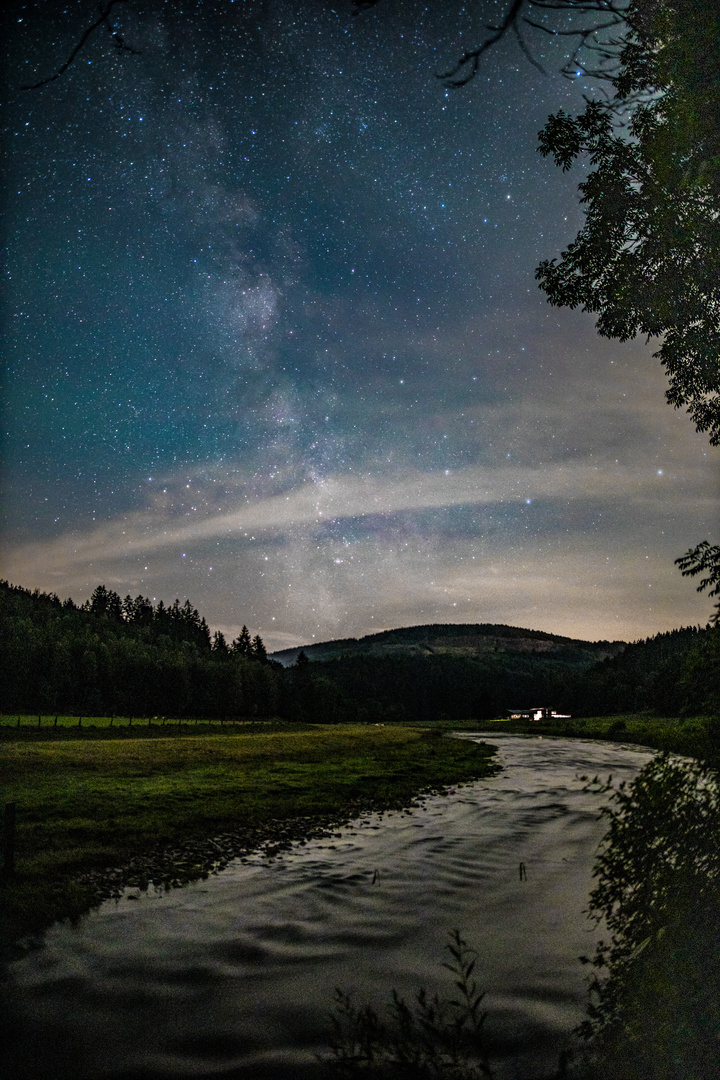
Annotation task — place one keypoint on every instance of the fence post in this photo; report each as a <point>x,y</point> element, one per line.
<point>9,840</point>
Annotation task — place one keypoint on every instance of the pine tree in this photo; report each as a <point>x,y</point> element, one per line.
<point>259,652</point>
<point>242,645</point>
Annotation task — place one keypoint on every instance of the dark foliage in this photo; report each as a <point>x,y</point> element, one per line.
<point>443,687</point>
<point>673,674</point>
<point>704,559</point>
<point>647,260</point>
<point>130,657</point>
<point>655,1011</point>
<point>436,1039</point>
<point>126,657</point>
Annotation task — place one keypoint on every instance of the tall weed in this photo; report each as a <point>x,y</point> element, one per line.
<point>433,1039</point>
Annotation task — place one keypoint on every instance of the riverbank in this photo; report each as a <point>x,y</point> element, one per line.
<point>693,736</point>
<point>97,814</point>
<point>235,974</point>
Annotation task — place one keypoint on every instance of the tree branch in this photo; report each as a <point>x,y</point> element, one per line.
<point>104,19</point>
<point>472,58</point>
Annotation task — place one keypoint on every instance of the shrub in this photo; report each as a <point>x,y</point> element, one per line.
<point>655,1006</point>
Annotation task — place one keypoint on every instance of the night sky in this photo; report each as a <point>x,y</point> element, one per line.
<point>275,344</point>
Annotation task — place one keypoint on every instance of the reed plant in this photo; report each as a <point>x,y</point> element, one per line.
<point>434,1039</point>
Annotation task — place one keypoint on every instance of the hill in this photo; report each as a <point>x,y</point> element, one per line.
<point>456,639</point>
<point>479,671</point>
<point>112,657</point>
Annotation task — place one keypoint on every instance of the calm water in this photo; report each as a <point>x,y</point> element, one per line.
<point>233,977</point>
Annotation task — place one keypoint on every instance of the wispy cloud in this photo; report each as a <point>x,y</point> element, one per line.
<point>331,499</point>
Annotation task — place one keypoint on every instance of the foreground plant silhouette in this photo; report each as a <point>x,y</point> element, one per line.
<point>654,1012</point>
<point>433,1038</point>
<point>654,1009</point>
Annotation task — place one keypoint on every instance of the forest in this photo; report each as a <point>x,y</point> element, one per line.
<point>129,657</point>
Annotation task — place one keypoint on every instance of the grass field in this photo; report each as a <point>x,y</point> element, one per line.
<point>687,735</point>
<point>692,735</point>
<point>55,721</point>
<point>696,736</point>
<point>92,803</point>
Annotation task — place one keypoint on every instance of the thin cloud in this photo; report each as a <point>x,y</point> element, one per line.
<point>330,499</point>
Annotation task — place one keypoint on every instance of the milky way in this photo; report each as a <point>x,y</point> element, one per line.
<point>275,342</point>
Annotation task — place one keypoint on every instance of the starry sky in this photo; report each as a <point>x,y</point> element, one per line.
<point>274,342</point>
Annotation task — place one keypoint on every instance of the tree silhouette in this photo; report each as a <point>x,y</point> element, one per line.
<point>704,559</point>
<point>259,652</point>
<point>242,645</point>
<point>592,48</point>
<point>647,260</point>
<point>105,602</point>
<point>139,611</point>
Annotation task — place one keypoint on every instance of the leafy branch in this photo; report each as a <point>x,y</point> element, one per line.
<point>704,559</point>
<point>655,992</point>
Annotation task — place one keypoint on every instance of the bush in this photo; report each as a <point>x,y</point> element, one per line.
<point>655,1006</point>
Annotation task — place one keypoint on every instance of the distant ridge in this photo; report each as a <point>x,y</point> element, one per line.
<point>444,638</point>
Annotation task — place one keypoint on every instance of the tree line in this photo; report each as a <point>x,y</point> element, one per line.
<point>130,657</point>
<point>127,657</point>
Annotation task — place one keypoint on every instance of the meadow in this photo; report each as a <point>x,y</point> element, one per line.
<point>70,724</point>
<point>694,736</point>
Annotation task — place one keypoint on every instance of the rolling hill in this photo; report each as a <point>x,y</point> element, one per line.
<point>455,639</point>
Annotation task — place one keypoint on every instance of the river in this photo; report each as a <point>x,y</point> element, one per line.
<point>233,977</point>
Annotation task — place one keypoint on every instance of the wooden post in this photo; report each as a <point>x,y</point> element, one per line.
<point>9,840</point>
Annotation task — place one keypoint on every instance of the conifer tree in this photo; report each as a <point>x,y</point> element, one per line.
<point>242,645</point>
<point>259,652</point>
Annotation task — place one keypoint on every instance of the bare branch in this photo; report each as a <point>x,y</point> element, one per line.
<point>525,50</point>
<point>588,32</point>
<point>472,58</point>
<point>517,13</point>
<point>104,19</point>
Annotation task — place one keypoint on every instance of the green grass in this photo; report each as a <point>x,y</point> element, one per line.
<point>688,735</point>
<point>90,803</point>
<point>692,735</point>
<point>35,721</point>
<point>681,735</point>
